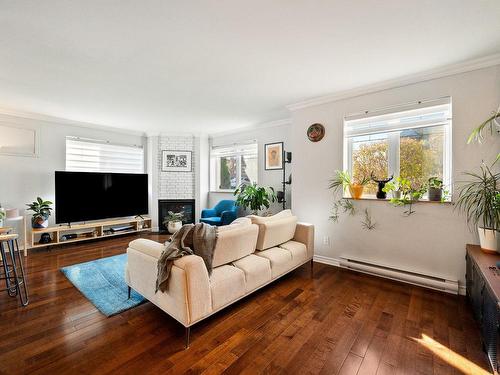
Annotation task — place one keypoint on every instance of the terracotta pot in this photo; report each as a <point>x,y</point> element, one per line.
<point>489,239</point>
<point>356,191</point>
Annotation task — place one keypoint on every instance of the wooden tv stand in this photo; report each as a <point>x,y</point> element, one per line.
<point>87,231</point>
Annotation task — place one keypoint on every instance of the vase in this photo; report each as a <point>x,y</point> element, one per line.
<point>435,194</point>
<point>396,194</point>
<point>489,239</point>
<point>174,226</point>
<point>40,223</point>
<point>356,191</point>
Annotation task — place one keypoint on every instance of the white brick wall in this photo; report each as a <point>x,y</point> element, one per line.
<point>176,185</point>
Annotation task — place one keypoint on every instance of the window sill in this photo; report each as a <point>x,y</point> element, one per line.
<point>388,200</point>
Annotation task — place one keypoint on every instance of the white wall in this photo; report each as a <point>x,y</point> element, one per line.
<point>25,178</point>
<point>433,239</point>
<point>273,134</point>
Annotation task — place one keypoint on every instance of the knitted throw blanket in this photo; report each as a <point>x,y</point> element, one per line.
<point>198,239</point>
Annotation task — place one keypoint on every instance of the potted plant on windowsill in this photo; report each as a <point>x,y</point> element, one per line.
<point>254,197</point>
<point>435,189</point>
<point>42,211</point>
<point>173,221</point>
<point>343,179</point>
<point>479,200</point>
<point>395,186</point>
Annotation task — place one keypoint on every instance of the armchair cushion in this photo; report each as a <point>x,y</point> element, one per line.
<point>208,212</point>
<point>224,213</point>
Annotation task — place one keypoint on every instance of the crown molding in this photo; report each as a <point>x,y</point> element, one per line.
<point>69,122</point>
<point>244,129</point>
<point>461,67</point>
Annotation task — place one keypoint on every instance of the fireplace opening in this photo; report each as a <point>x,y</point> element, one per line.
<point>175,205</point>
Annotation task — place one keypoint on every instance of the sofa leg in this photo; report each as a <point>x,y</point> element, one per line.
<point>188,332</point>
<point>312,269</point>
<point>129,292</point>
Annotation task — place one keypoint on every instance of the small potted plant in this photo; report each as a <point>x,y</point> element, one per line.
<point>479,200</point>
<point>395,187</point>
<point>41,209</point>
<point>344,180</point>
<point>173,221</point>
<point>435,189</point>
<point>254,197</point>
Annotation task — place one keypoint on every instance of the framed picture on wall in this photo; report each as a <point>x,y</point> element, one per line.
<point>176,161</point>
<point>273,156</point>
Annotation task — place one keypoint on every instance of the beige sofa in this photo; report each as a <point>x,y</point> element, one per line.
<point>249,254</point>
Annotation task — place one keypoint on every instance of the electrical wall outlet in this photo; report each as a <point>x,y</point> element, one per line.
<point>326,240</point>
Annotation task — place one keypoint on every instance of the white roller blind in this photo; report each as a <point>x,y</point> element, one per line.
<point>247,149</point>
<point>419,115</point>
<point>97,156</point>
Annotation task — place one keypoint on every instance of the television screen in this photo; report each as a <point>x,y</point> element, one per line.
<point>83,196</point>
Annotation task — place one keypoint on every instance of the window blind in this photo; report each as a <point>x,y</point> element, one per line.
<point>430,113</point>
<point>248,149</point>
<point>96,156</point>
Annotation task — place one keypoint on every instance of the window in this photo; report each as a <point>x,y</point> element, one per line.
<point>233,165</point>
<point>411,141</point>
<point>100,156</point>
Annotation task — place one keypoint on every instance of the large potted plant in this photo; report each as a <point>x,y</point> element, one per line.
<point>173,221</point>
<point>41,209</point>
<point>479,200</point>
<point>254,197</point>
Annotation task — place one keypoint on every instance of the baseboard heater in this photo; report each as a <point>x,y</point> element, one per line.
<point>433,282</point>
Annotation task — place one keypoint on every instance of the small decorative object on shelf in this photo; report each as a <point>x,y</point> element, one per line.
<point>41,209</point>
<point>45,239</point>
<point>381,194</point>
<point>315,132</point>
<point>173,221</point>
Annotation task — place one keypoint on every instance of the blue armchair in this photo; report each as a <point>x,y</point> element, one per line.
<point>224,213</point>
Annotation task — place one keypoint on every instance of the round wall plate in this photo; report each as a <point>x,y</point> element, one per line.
<point>315,132</point>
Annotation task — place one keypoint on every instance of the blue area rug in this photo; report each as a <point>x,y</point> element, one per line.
<point>102,281</point>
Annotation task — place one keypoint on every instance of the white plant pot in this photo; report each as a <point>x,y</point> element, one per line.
<point>489,239</point>
<point>174,226</point>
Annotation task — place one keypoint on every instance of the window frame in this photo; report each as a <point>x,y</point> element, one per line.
<point>215,164</point>
<point>394,139</point>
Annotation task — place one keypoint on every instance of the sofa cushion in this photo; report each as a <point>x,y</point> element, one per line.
<point>281,260</point>
<point>275,231</point>
<point>265,219</point>
<point>257,271</point>
<point>298,251</point>
<point>227,283</point>
<point>234,242</point>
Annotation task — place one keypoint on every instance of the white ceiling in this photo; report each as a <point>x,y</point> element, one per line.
<point>209,66</point>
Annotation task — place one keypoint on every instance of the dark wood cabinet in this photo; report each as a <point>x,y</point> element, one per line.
<point>483,291</point>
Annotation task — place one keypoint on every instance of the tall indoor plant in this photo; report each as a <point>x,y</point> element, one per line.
<point>254,197</point>
<point>479,200</point>
<point>42,211</point>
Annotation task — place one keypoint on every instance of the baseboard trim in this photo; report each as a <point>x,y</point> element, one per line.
<point>462,290</point>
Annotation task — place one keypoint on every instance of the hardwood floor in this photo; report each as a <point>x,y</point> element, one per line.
<point>339,322</point>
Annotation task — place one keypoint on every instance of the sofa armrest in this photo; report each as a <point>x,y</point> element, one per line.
<point>148,247</point>
<point>208,212</point>
<point>304,233</point>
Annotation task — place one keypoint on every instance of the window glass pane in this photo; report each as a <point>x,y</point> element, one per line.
<point>228,173</point>
<point>249,165</point>
<point>370,155</point>
<point>421,154</point>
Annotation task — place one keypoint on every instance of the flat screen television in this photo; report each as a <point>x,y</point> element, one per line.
<point>84,196</point>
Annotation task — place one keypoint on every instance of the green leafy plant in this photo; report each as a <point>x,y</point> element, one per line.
<point>435,182</point>
<point>342,179</point>
<point>2,213</point>
<point>173,217</point>
<point>368,222</point>
<point>479,198</point>
<point>41,209</point>
<point>409,195</point>
<point>342,205</point>
<point>477,133</point>
<point>254,197</point>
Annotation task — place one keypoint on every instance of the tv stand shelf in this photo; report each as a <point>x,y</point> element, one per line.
<point>87,231</point>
